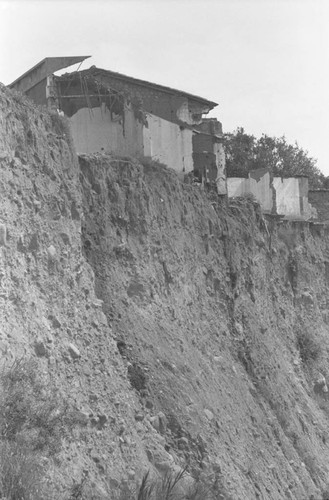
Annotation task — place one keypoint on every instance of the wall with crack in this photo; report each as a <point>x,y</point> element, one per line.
<point>284,196</point>
<point>168,143</point>
<point>97,129</point>
<point>292,197</point>
<point>258,184</point>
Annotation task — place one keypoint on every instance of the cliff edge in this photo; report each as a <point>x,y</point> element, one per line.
<point>183,332</point>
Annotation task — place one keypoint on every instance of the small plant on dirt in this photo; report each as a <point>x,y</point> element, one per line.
<point>137,377</point>
<point>21,473</point>
<point>309,347</point>
<point>288,236</point>
<point>33,419</point>
<point>325,493</point>
<point>77,490</point>
<point>31,410</point>
<point>170,487</point>
<point>151,164</point>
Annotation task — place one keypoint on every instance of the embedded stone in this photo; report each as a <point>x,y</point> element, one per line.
<point>51,251</point>
<point>182,443</point>
<point>155,423</point>
<point>74,351</point>
<point>40,348</point>
<point>209,414</point>
<point>162,422</point>
<point>3,235</point>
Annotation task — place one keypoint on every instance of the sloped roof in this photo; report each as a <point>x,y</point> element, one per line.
<point>119,76</point>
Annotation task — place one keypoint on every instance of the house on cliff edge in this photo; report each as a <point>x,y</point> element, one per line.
<point>112,112</point>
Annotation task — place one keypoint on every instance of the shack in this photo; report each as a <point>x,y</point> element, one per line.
<point>112,112</point>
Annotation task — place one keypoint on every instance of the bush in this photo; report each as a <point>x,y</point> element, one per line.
<point>31,410</point>
<point>171,487</point>
<point>21,473</point>
<point>309,347</point>
<point>33,420</point>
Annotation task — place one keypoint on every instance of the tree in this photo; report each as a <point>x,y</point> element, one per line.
<point>244,152</point>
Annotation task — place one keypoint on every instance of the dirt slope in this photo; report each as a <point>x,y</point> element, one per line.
<point>212,331</point>
<point>226,315</point>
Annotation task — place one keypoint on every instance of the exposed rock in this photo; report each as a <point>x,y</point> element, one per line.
<point>209,414</point>
<point>182,443</point>
<point>40,348</point>
<point>155,421</point>
<point>139,417</point>
<point>74,351</point>
<point>320,384</point>
<point>51,251</point>
<point>3,235</point>
<point>162,422</point>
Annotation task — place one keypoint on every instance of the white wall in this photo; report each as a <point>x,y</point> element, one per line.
<point>292,197</point>
<point>237,186</point>
<point>95,129</point>
<point>287,196</point>
<point>290,194</point>
<point>260,187</point>
<point>168,143</point>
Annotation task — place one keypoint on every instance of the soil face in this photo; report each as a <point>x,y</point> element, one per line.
<point>182,331</point>
<point>221,316</point>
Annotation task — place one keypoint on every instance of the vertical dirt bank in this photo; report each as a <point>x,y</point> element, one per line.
<point>222,320</point>
<point>181,332</point>
<point>49,310</point>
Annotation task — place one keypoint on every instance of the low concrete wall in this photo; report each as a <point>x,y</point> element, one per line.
<point>292,198</point>
<point>260,187</point>
<point>258,184</point>
<point>237,186</point>
<point>288,200</point>
<point>284,196</point>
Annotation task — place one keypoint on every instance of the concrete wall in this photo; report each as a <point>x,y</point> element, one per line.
<point>169,143</point>
<point>237,186</point>
<point>260,187</point>
<point>288,200</point>
<point>292,197</point>
<point>97,129</point>
<point>258,184</point>
<point>284,196</point>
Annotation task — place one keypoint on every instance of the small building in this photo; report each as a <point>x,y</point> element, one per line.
<point>112,112</point>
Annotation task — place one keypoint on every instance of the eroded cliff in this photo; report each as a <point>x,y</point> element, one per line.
<point>226,315</point>
<point>182,331</point>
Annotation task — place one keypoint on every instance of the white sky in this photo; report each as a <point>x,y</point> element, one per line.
<point>266,62</point>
